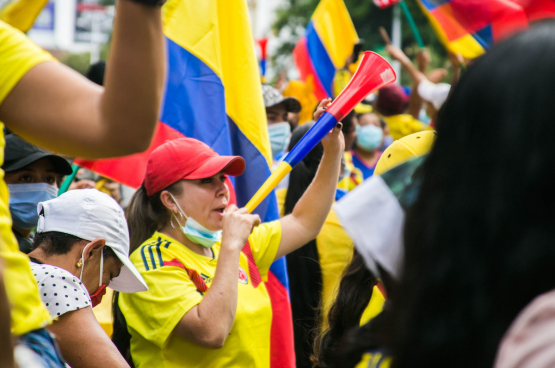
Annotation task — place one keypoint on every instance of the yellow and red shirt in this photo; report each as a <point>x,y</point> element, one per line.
<point>17,56</point>
<point>177,279</point>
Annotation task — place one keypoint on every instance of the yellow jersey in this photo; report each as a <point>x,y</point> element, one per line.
<point>17,56</point>
<point>177,279</point>
<point>403,124</point>
<point>335,250</point>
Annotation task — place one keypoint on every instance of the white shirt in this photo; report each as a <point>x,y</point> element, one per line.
<point>60,291</point>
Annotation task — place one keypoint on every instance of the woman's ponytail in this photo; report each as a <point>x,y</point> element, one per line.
<point>144,215</point>
<point>147,214</point>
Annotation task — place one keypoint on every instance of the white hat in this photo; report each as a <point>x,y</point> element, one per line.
<point>436,94</point>
<point>89,214</point>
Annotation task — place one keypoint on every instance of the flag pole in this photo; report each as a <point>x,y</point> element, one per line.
<point>68,180</point>
<point>412,25</point>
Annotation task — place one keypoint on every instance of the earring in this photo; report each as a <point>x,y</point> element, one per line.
<point>80,263</point>
<point>171,219</point>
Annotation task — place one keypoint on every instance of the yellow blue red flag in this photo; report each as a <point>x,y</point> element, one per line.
<point>213,94</point>
<point>328,40</point>
<point>472,27</point>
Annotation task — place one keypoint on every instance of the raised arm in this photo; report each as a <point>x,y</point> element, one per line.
<point>415,102</point>
<point>309,215</point>
<point>56,108</point>
<point>208,324</point>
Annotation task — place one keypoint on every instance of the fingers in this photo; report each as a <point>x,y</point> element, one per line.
<point>322,106</point>
<point>231,209</point>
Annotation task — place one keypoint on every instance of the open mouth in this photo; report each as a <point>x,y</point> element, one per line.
<point>220,210</point>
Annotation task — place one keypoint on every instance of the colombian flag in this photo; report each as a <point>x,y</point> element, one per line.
<point>213,94</point>
<point>328,40</point>
<point>21,14</point>
<point>470,27</point>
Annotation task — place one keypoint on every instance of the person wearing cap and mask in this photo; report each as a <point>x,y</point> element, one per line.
<point>81,247</point>
<point>31,175</point>
<point>279,129</point>
<point>369,139</point>
<point>373,216</point>
<point>206,261</point>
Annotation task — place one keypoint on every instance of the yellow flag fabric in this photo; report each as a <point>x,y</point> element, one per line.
<point>21,14</point>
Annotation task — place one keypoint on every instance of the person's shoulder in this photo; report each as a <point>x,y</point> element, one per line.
<point>46,271</point>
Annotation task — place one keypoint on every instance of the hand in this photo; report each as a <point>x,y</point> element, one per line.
<point>397,54</point>
<point>456,60</point>
<point>322,106</point>
<point>437,75</point>
<point>238,225</point>
<point>423,59</point>
<point>82,184</point>
<point>334,142</point>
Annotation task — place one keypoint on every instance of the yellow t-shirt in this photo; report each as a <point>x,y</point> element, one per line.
<point>152,315</point>
<point>17,56</point>
<point>335,250</point>
<point>403,124</point>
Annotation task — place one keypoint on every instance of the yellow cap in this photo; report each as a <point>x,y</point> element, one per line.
<point>402,150</point>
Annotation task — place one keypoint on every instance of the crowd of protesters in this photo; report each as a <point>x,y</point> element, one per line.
<point>418,232</point>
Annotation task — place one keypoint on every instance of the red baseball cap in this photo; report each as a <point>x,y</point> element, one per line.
<point>186,158</point>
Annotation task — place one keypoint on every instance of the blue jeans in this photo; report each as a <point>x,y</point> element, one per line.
<point>44,345</point>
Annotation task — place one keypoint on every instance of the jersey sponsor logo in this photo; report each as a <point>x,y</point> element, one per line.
<point>243,278</point>
<point>206,278</point>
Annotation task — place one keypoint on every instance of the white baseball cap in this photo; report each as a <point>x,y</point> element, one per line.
<point>89,214</point>
<point>436,94</point>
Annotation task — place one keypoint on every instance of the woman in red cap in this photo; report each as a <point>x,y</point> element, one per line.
<point>204,261</point>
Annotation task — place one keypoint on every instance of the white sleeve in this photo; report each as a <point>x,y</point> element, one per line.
<point>59,290</point>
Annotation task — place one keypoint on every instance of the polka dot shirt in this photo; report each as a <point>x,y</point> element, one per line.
<point>60,291</point>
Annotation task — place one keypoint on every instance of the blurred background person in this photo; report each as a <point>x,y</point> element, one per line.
<point>369,139</point>
<point>277,115</point>
<point>31,175</point>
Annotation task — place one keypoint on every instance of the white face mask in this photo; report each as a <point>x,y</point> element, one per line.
<point>195,232</point>
<point>279,136</point>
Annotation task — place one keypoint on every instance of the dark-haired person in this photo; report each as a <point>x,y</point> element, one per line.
<point>207,305</point>
<point>54,107</point>
<point>31,175</point>
<point>81,247</point>
<point>369,140</point>
<point>372,215</point>
<point>479,238</point>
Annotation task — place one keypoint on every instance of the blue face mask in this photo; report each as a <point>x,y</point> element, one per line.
<point>195,232</point>
<point>369,137</point>
<point>279,136</point>
<point>24,199</point>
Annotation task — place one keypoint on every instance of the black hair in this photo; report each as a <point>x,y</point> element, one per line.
<point>58,243</point>
<point>479,237</point>
<point>96,72</point>
<point>303,265</point>
<point>353,295</point>
<point>382,122</point>
<point>348,122</point>
<point>145,215</point>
